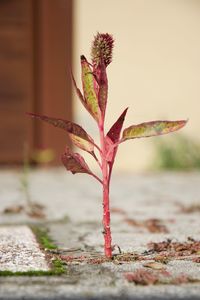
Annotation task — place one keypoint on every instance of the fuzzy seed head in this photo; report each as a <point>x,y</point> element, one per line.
<point>102,47</point>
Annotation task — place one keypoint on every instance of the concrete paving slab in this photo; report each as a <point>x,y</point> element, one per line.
<point>19,250</point>
<point>73,215</point>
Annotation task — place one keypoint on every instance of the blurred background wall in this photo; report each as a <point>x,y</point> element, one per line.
<point>35,56</point>
<point>155,70</point>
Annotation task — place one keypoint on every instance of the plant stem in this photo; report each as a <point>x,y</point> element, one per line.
<point>106,208</point>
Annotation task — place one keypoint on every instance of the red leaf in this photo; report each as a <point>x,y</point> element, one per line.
<point>74,162</point>
<point>113,136</point>
<point>142,277</point>
<point>103,86</point>
<point>115,130</point>
<point>77,134</point>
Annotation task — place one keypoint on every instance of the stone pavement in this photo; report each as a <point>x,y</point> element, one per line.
<point>19,250</point>
<point>146,208</point>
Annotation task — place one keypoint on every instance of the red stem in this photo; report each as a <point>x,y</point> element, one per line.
<point>106,208</point>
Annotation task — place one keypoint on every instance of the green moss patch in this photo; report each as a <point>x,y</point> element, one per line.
<point>43,238</point>
<point>57,269</point>
<point>46,243</point>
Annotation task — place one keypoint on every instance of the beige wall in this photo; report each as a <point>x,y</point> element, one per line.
<point>156,65</point>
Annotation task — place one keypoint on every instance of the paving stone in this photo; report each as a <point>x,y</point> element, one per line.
<point>73,215</point>
<point>19,250</point>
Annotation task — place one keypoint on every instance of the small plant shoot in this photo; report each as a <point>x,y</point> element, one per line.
<point>94,96</point>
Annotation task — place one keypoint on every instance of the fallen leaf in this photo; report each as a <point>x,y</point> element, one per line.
<point>155,265</point>
<point>196,259</point>
<point>193,208</point>
<point>14,209</point>
<point>142,277</point>
<point>117,210</point>
<point>152,225</point>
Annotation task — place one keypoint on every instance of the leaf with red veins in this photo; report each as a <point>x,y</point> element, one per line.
<point>74,162</point>
<point>113,137</point>
<point>76,133</point>
<point>89,90</point>
<point>152,128</point>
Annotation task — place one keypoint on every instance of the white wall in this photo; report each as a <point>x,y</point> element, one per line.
<point>155,69</point>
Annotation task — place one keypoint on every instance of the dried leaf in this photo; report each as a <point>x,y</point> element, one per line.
<point>153,128</point>
<point>193,208</point>
<point>196,260</point>
<point>182,278</point>
<point>36,212</point>
<point>142,277</point>
<point>155,226</point>
<point>175,249</point>
<point>90,95</point>
<point>77,134</point>
<point>152,225</point>
<point>118,210</point>
<point>154,265</point>
<point>14,209</point>
<point>149,277</point>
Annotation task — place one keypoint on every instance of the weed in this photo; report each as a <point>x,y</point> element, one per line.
<point>94,99</point>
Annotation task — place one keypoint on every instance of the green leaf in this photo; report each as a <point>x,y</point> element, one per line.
<point>78,92</point>
<point>153,128</point>
<point>90,95</point>
<point>76,133</point>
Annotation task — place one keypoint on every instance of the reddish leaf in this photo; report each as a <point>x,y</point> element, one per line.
<point>142,277</point>
<point>152,128</point>
<point>113,136</point>
<point>103,87</point>
<point>77,134</point>
<point>74,162</point>
<point>115,130</point>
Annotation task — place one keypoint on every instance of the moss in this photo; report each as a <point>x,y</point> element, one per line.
<point>43,238</point>
<point>46,243</point>
<point>57,269</point>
